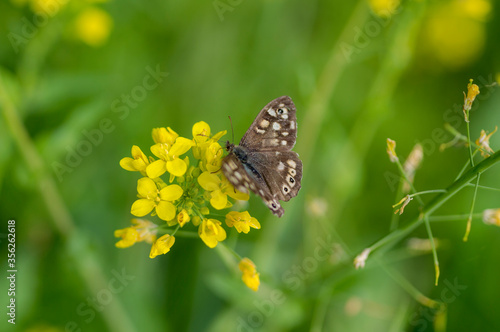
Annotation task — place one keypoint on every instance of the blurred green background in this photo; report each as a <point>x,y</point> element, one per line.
<point>358,72</point>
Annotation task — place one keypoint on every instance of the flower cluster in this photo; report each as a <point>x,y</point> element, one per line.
<point>180,190</point>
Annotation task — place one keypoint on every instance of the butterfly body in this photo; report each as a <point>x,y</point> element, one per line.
<point>263,161</point>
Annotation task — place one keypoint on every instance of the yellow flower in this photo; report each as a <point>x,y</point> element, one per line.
<point>129,237</point>
<point>203,141</point>
<point>201,132</point>
<point>491,217</point>
<point>484,142</point>
<point>455,32</point>
<point>93,26</point>
<point>213,157</point>
<point>211,232</point>
<point>162,245</point>
<point>242,221</point>
<point>219,190</point>
<point>391,150</point>
<point>472,92</point>
<point>143,230</point>
<point>138,162</point>
<point>169,158</point>
<point>164,135</point>
<point>150,197</point>
<point>183,217</point>
<point>250,276</point>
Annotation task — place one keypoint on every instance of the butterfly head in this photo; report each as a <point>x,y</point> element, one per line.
<point>229,146</point>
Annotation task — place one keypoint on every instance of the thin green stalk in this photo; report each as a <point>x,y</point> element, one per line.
<point>425,192</point>
<point>437,202</point>
<point>115,316</point>
<point>427,224</point>
<point>456,217</point>
<point>464,168</point>
<point>395,216</point>
<point>484,187</point>
<point>410,289</point>
<point>471,157</point>
<point>469,220</point>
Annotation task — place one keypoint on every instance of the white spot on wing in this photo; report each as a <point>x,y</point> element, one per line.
<point>264,123</point>
<point>270,142</point>
<point>276,126</point>
<point>232,164</point>
<point>285,133</point>
<point>291,163</point>
<point>271,112</point>
<point>238,176</point>
<point>283,142</point>
<point>284,116</point>
<point>259,131</point>
<point>292,124</point>
<point>281,166</point>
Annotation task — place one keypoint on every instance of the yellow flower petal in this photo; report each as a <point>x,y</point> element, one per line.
<point>160,150</point>
<point>242,221</point>
<point>162,245</point>
<point>156,169</point>
<point>211,232</point>
<point>201,131</point>
<point>129,236</point>
<point>183,217</point>
<point>176,167</point>
<point>218,200</point>
<point>142,207</point>
<point>164,135</point>
<point>181,146</point>
<point>250,276</point>
<point>236,194</point>
<point>147,188</point>
<point>165,210</point>
<point>127,164</point>
<point>171,193</point>
<point>209,181</point>
<point>219,135</point>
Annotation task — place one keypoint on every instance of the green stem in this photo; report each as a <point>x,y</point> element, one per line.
<point>410,289</point>
<point>471,157</point>
<point>426,221</point>
<point>456,217</point>
<point>438,201</point>
<point>469,220</point>
<point>435,191</point>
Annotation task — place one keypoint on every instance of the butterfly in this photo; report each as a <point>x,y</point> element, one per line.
<point>263,161</point>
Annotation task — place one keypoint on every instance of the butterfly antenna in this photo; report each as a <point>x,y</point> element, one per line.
<point>232,129</point>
